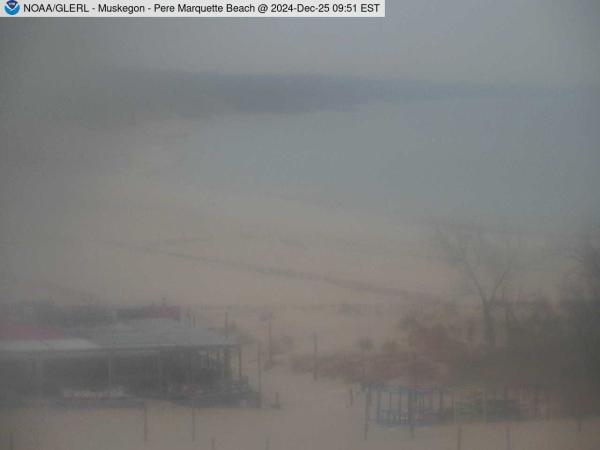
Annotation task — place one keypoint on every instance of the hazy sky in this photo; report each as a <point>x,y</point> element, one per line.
<point>250,160</point>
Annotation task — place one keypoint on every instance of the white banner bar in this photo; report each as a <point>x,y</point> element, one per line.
<point>192,8</point>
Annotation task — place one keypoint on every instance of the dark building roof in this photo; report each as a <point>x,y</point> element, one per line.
<point>137,335</point>
<point>154,333</point>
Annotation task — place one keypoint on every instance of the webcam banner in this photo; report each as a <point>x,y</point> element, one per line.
<point>191,8</point>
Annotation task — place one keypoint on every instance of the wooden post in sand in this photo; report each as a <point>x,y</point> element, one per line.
<point>193,424</point>
<point>430,401</point>
<point>315,356</point>
<point>536,401</point>
<point>145,422</point>
<point>453,401</point>
<point>412,395</point>
<point>270,340</point>
<point>484,399</point>
<point>441,403</point>
<point>508,438</point>
<point>367,409</point>
<point>399,405</point>
<point>378,406</point>
<point>11,441</point>
<point>213,443</point>
<point>485,411</point>
<point>259,362</point>
<point>459,439</point>
<point>277,404</point>
<point>409,408</point>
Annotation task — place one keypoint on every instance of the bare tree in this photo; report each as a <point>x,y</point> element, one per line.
<point>486,262</point>
<point>587,255</point>
<point>581,299</point>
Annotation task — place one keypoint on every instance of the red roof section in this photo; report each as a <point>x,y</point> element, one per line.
<point>13,331</point>
<point>161,312</point>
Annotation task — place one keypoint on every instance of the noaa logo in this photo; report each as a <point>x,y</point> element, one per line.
<point>12,7</point>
